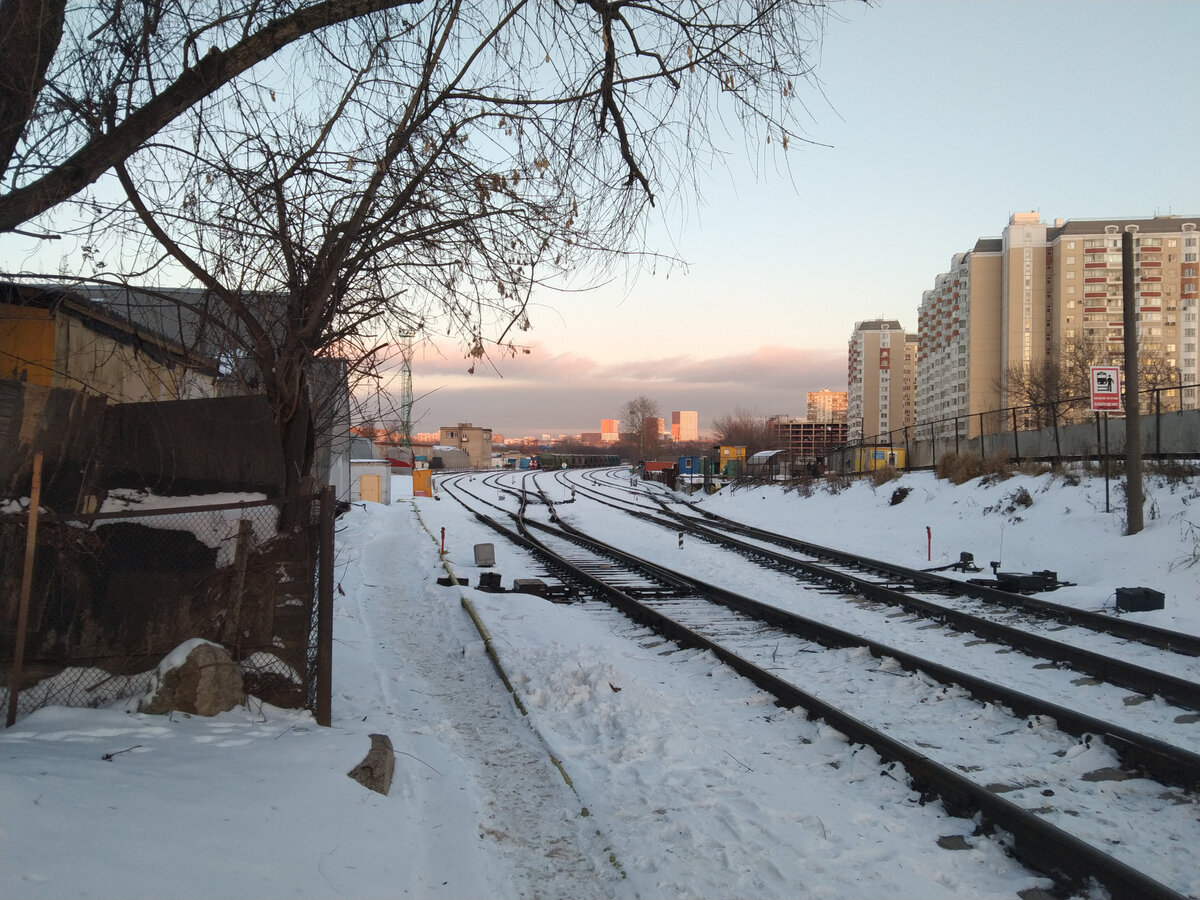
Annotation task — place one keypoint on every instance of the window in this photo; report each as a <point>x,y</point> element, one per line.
<point>1070,260</point>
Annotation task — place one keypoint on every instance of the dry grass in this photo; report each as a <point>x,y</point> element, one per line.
<point>881,476</point>
<point>961,468</point>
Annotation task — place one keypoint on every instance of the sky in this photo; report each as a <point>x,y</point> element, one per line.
<point>935,122</point>
<point>931,123</point>
<point>695,784</point>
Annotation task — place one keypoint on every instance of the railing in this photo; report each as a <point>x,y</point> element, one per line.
<point>1055,430</point>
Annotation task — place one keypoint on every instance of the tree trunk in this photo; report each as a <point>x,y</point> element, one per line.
<point>29,37</point>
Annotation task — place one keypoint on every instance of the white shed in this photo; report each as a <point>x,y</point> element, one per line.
<point>371,480</point>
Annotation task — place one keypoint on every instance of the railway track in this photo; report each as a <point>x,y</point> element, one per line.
<point>782,651</point>
<point>1059,634</point>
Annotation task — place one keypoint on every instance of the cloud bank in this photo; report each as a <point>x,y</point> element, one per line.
<point>568,393</point>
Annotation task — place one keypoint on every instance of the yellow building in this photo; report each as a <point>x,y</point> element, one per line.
<point>734,455</point>
<point>60,339</point>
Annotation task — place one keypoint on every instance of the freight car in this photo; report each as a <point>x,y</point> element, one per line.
<point>574,460</point>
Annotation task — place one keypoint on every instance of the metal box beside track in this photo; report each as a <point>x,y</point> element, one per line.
<point>1139,599</point>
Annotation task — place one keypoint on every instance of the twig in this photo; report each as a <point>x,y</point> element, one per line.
<point>421,761</point>
<point>738,761</point>
<point>107,757</point>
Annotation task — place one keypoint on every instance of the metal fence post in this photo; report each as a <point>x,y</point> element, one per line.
<point>18,663</point>
<point>324,711</point>
<point>1016,443</point>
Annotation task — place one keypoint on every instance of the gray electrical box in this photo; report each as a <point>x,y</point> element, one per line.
<point>485,555</point>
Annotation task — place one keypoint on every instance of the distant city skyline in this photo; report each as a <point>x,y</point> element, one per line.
<point>934,122</point>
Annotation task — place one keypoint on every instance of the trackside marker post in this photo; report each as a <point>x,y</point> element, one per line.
<point>929,543</point>
<point>443,540</point>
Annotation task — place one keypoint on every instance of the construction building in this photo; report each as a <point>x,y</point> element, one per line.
<point>805,440</point>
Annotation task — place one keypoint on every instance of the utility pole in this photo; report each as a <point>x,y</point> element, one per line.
<point>1133,423</point>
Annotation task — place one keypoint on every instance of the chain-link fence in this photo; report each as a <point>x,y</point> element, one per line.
<point>107,596</point>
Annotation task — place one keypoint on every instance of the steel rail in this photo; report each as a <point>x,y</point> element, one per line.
<point>1158,759</point>
<point>1163,638</point>
<point>1142,679</point>
<point>1036,842</point>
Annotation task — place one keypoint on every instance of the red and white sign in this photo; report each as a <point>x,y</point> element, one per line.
<point>1106,389</point>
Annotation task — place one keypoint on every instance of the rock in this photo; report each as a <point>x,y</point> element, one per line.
<point>375,771</point>
<point>206,681</point>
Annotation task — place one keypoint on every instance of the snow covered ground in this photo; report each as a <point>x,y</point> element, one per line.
<point>627,768</point>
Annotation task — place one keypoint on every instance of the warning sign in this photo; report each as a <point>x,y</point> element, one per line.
<point>1106,389</point>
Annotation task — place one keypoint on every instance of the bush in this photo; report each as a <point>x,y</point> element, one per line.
<point>881,476</point>
<point>898,495</point>
<point>961,468</point>
<point>1174,471</point>
<point>835,483</point>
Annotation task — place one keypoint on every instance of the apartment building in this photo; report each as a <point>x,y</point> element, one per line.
<point>826,406</point>
<point>958,324</point>
<point>474,441</point>
<point>610,431</point>
<point>685,425</point>
<point>908,400</point>
<point>1041,292</point>
<point>1085,290</point>
<point>875,379</point>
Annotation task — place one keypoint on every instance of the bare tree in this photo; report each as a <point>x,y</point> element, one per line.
<point>439,160</point>
<point>640,416</point>
<point>1056,387</point>
<point>82,89</point>
<point>743,428</point>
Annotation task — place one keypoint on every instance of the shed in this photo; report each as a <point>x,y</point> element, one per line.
<point>768,464</point>
<point>371,480</point>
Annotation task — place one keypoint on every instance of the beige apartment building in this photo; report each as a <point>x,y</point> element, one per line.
<point>876,379</point>
<point>685,425</point>
<point>1045,291</point>
<point>826,405</point>
<point>908,400</point>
